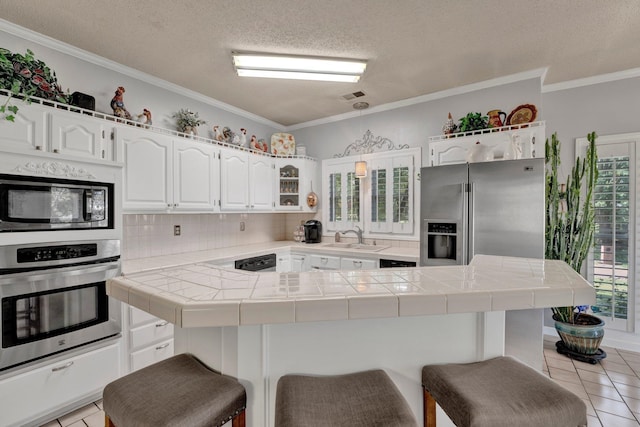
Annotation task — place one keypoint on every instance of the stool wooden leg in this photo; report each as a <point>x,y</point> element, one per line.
<point>238,420</point>
<point>429,409</point>
<point>107,421</point>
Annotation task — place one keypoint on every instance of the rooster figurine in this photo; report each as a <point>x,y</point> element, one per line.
<point>242,140</point>
<point>117,105</point>
<point>218,134</point>
<point>145,117</point>
<point>254,144</point>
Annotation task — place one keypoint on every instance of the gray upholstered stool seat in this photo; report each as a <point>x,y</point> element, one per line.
<point>361,399</point>
<point>499,392</point>
<point>179,391</point>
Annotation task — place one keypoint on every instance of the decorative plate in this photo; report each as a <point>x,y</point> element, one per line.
<point>525,113</point>
<point>283,144</point>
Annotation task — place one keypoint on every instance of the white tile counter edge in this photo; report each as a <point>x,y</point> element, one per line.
<point>190,294</point>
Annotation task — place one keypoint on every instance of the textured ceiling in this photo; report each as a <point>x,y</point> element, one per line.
<point>414,47</point>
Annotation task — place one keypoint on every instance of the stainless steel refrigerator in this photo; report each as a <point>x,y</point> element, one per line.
<point>491,208</point>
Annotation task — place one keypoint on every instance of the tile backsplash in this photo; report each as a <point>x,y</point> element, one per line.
<point>146,235</point>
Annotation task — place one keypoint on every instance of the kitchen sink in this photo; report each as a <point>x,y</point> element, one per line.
<point>339,245</point>
<point>358,246</point>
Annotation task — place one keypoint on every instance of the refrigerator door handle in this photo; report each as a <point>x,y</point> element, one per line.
<point>469,216</point>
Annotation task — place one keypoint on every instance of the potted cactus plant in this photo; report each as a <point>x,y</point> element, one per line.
<point>569,236</point>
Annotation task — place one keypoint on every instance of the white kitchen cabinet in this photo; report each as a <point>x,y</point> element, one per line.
<point>499,143</point>
<point>283,263</point>
<point>29,131</point>
<point>167,174</point>
<point>300,262</point>
<point>260,183</point>
<point>324,262</point>
<point>347,263</point>
<point>148,169</point>
<point>246,181</point>
<point>52,387</point>
<point>196,176</point>
<point>38,128</point>
<point>148,339</point>
<point>73,134</point>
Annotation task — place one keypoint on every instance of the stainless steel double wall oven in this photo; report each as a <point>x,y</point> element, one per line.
<point>53,291</point>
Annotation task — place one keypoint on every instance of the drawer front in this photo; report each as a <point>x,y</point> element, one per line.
<point>138,317</point>
<point>325,262</point>
<point>147,334</point>
<point>357,264</point>
<point>147,356</point>
<point>36,393</point>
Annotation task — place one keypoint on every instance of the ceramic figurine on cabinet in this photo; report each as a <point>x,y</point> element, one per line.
<point>217,134</point>
<point>449,126</point>
<point>242,137</point>
<point>145,117</point>
<point>117,105</point>
<point>260,145</point>
<point>227,134</point>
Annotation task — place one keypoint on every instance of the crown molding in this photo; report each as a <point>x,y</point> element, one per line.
<point>81,54</point>
<point>512,78</point>
<point>594,80</point>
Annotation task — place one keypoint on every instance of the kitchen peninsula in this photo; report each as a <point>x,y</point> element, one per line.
<point>259,326</point>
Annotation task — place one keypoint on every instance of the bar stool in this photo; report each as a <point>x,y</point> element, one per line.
<point>179,391</point>
<point>361,399</point>
<point>500,392</point>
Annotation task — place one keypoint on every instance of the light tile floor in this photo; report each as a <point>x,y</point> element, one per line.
<point>611,389</point>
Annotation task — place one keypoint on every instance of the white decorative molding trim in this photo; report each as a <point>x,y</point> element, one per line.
<point>370,144</point>
<point>594,80</point>
<point>56,169</point>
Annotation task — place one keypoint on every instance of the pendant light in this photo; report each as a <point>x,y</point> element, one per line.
<point>361,165</point>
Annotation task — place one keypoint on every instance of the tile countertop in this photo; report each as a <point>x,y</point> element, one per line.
<point>199,295</point>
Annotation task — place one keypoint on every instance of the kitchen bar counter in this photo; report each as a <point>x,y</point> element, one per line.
<point>260,326</point>
<point>197,295</point>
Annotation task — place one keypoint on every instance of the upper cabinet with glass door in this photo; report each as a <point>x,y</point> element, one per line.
<point>294,181</point>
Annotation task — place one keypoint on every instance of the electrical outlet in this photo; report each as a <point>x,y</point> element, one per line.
<point>176,230</point>
<point>241,225</point>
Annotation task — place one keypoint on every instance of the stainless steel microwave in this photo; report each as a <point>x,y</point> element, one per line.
<point>39,204</point>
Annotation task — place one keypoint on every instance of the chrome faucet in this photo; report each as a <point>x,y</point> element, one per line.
<point>357,231</point>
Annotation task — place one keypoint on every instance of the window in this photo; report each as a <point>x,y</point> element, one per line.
<point>610,266</point>
<point>335,197</point>
<point>381,203</point>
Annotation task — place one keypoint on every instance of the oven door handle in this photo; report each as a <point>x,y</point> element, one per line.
<point>94,272</point>
<point>88,204</point>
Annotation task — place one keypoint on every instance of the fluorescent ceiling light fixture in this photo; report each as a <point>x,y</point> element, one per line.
<point>298,67</point>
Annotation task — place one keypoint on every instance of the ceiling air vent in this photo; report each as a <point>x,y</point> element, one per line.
<point>354,95</point>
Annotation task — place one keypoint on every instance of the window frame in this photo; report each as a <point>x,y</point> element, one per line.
<point>410,157</point>
<point>612,144</point>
